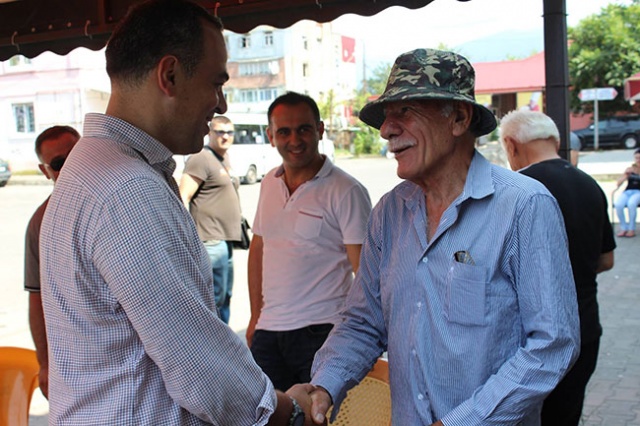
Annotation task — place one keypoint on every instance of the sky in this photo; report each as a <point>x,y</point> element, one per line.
<point>452,22</point>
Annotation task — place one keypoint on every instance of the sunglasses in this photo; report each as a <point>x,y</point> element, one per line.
<point>223,132</point>
<point>57,163</point>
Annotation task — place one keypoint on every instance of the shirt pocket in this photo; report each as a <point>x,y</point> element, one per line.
<point>308,224</point>
<point>466,294</point>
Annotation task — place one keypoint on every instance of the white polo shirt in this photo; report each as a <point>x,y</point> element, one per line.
<point>305,271</point>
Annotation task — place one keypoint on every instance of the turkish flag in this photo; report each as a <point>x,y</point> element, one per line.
<point>348,49</point>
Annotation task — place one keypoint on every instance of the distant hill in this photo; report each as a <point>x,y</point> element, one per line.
<point>502,46</point>
<point>497,47</point>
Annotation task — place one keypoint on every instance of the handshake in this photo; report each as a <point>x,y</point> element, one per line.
<point>313,403</point>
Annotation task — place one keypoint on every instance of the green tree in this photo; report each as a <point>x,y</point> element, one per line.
<point>511,57</point>
<point>367,139</point>
<point>326,105</point>
<point>604,50</point>
<point>376,84</point>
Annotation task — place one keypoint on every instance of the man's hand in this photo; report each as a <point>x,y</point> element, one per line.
<point>251,328</point>
<point>321,402</point>
<point>302,393</point>
<point>43,380</point>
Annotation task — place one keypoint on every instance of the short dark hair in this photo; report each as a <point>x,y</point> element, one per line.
<point>153,29</point>
<point>220,119</point>
<point>293,98</point>
<point>54,133</point>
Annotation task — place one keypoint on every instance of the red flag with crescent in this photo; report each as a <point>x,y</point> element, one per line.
<point>348,49</point>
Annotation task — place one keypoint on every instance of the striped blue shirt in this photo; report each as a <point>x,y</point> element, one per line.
<point>469,344</point>
<point>134,337</point>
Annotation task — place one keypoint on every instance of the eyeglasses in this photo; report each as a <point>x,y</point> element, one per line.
<point>57,163</point>
<point>223,132</point>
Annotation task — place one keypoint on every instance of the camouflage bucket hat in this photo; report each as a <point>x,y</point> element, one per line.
<point>430,74</point>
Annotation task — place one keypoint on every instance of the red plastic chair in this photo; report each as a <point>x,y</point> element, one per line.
<point>18,379</point>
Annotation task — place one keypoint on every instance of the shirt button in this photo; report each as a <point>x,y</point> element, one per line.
<point>419,304</point>
<point>425,260</point>
<point>413,351</point>
<point>420,396</point>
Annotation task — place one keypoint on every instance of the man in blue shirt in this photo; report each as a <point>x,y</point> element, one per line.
<point>464,277</point>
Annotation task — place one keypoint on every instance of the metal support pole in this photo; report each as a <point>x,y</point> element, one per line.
<point>556,58</point>
<point>596,129</point>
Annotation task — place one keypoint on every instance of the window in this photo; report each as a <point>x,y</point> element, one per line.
<point>24,119</point>
<point>228,95</point>
<point>18,60</point>
<point>268,94</point>
<point>268,38</point>
<point>258,95</point>
<point>305,70</point>
<point>258,68</point>
<point>245,41</point>
<point>305,43</point>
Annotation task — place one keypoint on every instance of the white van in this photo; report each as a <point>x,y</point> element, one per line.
<point>251,154</point>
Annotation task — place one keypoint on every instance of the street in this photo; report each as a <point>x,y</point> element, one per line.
<point>17,203</point>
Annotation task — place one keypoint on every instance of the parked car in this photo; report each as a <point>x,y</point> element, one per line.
<point>251,155</point>
<point>5,172</point>
<point>613,132</point>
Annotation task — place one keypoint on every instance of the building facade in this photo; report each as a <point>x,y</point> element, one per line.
<point>263,64</point>
<point>45,91</point>
<point>307,58</point>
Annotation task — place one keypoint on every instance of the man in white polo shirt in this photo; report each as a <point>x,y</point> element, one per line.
<point>308,232</point>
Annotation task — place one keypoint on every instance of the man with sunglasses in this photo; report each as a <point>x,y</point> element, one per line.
<point>52,148</point>
<point>209,192</point>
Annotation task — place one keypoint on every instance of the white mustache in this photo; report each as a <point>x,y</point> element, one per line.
<point>400,144</point>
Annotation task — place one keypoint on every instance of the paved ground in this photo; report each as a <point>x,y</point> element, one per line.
<point>613,397</point>
<point>613,393</point>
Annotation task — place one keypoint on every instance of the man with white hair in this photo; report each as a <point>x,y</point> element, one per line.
<point>531,140</point>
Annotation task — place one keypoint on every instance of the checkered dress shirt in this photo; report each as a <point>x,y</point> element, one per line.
<point>134,337</point>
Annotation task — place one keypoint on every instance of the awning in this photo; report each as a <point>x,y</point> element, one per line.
<point>632,88</point>
<point>30,27</point>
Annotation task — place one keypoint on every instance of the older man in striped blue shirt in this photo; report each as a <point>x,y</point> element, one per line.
<point>464,277</point>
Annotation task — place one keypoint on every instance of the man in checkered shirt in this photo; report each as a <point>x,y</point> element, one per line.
<point>134,335</point>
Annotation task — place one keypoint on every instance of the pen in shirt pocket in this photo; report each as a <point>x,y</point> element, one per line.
<point>463,256</point>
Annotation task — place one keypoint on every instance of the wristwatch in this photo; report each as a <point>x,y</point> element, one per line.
<point>297,415</point>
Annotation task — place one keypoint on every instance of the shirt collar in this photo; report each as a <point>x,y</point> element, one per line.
<point>106,126</point>
<point>479,183</point>
<point>324,171</point>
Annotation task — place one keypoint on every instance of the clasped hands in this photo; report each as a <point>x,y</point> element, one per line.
<point>314,400</point>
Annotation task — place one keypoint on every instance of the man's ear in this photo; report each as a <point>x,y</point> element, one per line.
<point>270,136</point>
<point>166,74</point>
<point>513,147</point>
<point>43,169</point>
<point>320,128</point>
<point>462,115</point>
